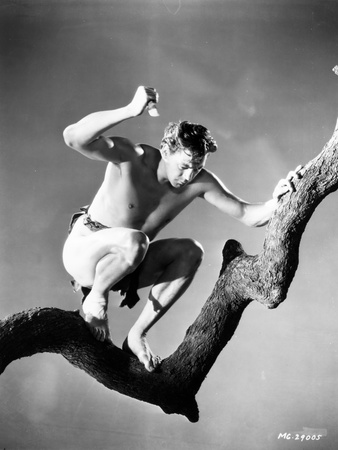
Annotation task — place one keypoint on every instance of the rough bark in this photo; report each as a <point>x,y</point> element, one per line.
<point>265,277</point>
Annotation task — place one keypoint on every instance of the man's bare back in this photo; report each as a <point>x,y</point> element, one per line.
<point>143,190</point>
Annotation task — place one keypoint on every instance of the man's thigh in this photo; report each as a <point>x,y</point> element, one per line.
<point>160,255</point>
<point>81,253</point>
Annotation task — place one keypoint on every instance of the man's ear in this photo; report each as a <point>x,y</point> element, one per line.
<point>165,152</point>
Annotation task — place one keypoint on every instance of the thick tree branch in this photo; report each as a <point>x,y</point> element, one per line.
<point>279,258</point>
<point>243,278</point>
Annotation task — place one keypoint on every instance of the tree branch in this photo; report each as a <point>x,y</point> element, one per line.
<point>243,278</point>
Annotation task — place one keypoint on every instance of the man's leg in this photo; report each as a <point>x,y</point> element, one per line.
<point>101,259</point>
<point>170,265</point>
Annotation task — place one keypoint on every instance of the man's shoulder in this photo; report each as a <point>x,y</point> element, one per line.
<point>139,149</point>
<point>149,154</point>
<point>206,176</point>
<point>207,181</point>
<point>128,151</point>
<point>201,183</point>
<point>148,149</point>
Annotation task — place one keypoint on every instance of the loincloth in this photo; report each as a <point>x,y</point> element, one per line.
<point>93,225</point>
<point>127,286</point>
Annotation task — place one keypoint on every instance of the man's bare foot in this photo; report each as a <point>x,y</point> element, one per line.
<point>95,311</point>
<point>138,346</point>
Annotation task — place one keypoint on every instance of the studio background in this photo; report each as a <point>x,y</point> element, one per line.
<point>259,75</point>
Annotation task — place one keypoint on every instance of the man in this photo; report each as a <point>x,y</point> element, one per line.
<point>110,245</point>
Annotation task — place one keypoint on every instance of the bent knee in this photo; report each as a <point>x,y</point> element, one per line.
<point>136,245</point>
<point>192,252</point>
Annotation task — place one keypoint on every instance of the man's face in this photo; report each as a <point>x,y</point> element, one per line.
<point>182,167</point>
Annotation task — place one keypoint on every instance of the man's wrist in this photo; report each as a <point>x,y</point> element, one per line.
<point>130,111</point>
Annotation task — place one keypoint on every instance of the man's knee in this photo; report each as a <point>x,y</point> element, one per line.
<point>191,253</point>
<point>137,244</point>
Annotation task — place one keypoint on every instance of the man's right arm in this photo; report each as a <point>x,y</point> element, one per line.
<point>250,214</point>
<point>86,137</point>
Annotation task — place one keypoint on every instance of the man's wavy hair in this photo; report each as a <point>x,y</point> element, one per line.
<point>188,136</point>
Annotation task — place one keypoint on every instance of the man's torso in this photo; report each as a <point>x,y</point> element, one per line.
<point>131,195</point>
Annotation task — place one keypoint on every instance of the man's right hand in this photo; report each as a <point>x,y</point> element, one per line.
<point>143,98</point>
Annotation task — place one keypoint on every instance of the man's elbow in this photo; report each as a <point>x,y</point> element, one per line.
<point>69,136</point>
<point>76,142</point>
<point>73,138</point>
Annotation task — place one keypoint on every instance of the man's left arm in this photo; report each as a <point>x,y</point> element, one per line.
<point>250,214</point>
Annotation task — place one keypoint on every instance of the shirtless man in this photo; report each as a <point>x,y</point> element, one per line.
<point>144,188</point>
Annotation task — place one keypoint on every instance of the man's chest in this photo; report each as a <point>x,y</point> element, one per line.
<point>137,188</point>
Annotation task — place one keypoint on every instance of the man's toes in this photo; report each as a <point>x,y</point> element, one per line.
<point>100,335</point>
<point>157,361</point>
<point>96,333</point>
<point>149,366</point>
<point>152,363</point>
<point>106,336</point>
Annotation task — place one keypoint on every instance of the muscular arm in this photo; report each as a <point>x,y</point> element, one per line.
<point>250,214</point>
<point>86,137</point>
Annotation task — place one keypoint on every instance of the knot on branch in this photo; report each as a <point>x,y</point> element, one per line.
<point>231,250</point>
